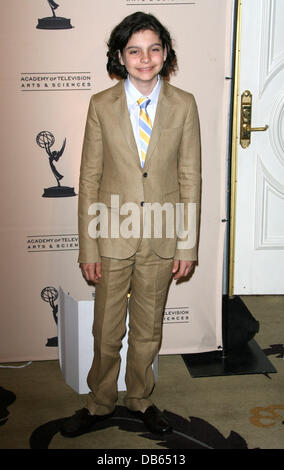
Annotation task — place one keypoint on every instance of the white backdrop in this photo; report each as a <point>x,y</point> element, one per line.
<point>47,79</point>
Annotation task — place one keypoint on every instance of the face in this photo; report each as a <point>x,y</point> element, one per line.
<point>143,58</point>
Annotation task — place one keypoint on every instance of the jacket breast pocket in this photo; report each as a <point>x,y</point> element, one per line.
<point>170,132</point>
<point>174,128</point>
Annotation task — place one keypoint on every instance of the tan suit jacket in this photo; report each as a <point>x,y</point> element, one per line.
<point>111,166</point>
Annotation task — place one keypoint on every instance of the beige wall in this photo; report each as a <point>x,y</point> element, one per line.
<point>202,34</point>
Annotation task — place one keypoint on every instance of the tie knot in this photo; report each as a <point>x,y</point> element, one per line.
<point>143,102</point>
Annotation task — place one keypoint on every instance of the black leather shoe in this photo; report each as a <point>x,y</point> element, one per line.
<point>81,422</point>
<point>154,420</point>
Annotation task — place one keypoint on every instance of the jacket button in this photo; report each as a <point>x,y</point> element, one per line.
<point>145,174</point>
<point>142,203</point>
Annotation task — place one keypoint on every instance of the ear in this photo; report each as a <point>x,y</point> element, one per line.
<point>120,57</point>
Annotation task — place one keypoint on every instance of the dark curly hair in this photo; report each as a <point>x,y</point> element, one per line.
<point>121,34</point>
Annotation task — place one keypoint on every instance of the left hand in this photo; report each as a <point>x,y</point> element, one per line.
<point>182,268</point>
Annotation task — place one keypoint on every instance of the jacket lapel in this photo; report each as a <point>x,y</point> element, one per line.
<point>121,110</point>
<point>162,112</point>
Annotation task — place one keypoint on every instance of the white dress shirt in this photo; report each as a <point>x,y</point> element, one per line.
<point>132,95</point>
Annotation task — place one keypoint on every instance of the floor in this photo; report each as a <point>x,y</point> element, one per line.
<point>242,411</point>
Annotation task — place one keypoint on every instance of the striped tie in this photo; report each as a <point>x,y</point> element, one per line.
<point>145,127</point>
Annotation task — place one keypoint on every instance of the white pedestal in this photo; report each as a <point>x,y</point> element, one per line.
<point>75,343</point>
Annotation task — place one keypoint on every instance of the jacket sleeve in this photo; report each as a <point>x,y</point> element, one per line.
<point>89,183</point>
<point>189,177</point>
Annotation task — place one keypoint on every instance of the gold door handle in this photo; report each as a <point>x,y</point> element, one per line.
<point>245,127</point>
<point>255,129</point>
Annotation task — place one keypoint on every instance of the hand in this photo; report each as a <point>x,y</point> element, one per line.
<point>182,268</point>
<point>91,271</point>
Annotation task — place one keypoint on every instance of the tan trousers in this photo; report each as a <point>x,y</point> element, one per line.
<point>148,276</point>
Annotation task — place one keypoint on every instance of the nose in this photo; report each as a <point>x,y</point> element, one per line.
<point>145,56</point>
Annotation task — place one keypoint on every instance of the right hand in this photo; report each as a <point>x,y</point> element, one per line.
<point>91,271</point>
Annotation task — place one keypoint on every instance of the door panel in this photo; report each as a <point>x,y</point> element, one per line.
<point>259,214</point>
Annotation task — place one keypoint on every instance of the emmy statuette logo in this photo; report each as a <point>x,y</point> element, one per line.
<point>50,294</point>
<point>46,140</point>
<point>54,22</point>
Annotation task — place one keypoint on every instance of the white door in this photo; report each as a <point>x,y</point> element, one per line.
<point>258,266</point>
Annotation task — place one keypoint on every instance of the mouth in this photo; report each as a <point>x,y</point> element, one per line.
<point>145,69</point>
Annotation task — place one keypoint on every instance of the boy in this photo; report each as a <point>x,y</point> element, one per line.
<point>142,147</point>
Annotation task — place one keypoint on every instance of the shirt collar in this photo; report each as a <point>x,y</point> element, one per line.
<point>133,94</point>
